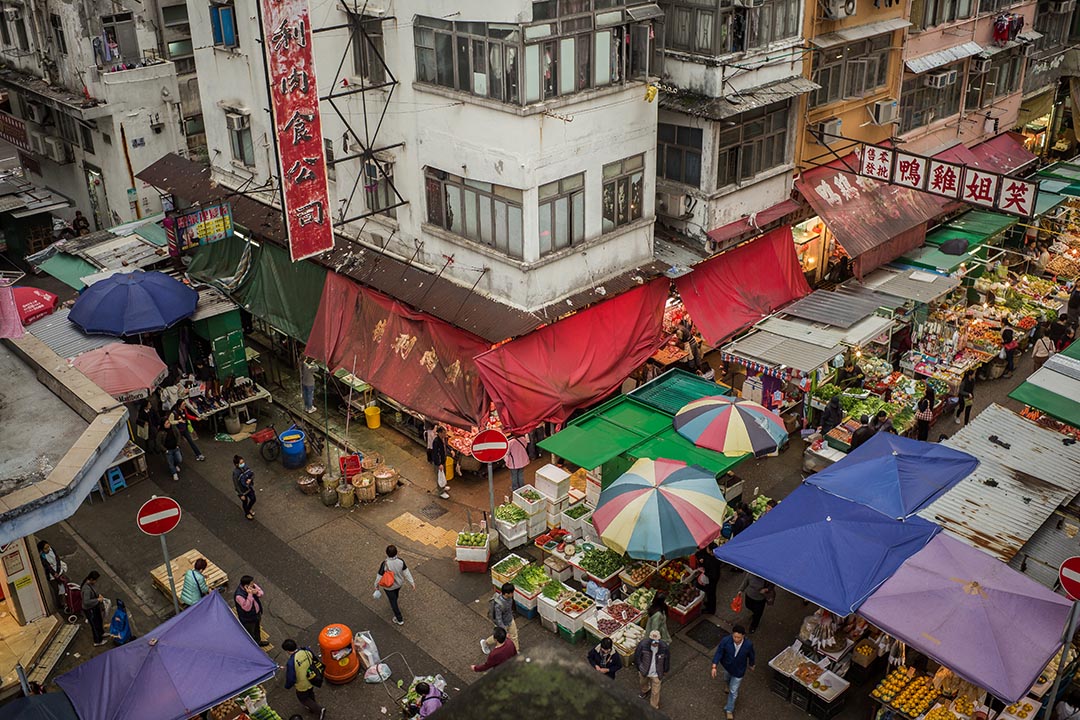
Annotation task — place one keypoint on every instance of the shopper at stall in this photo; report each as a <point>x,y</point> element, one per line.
<point>966,397</point>
<point>438,459</point>
<point>604,659</point>
<point>147,426</point>
<point>1009,346</point>
<point>55,568</point>
<point>657,621</point>
<point>298,676</point>
<point>243,478</point>
<point>307,384</point>
<point>431,699</point>
<point>710,576</point>
<point>757,593</point>
<point>831,415</point>
<point>180,419</point>
<point>652,658</point>
<point>249,609</point>
<point>862,433</point>
<point>744,518</point>
<point>923,417</point>
<point>94,607</point>
<point>517,459</point>
<point>194,587</point>
<point>1043,348</point>
<point>504,650</point>
<point>881,422</point>
<point>393,573</point>
<point>1058,330</point>
<point>501,612</point>
<point>171,443</point>
<point>735,655</point>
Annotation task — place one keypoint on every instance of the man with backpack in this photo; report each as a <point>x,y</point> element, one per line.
<point>303,672</point>
<point>244,483</point>
<point>502,616</point>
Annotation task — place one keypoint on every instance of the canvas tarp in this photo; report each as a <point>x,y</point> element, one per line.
<point>546,375</point>
<point>735,290</point>
<point>418,360</point>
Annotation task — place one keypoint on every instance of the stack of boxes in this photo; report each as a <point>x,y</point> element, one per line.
<point>535,509</point>
<point>554,484</point>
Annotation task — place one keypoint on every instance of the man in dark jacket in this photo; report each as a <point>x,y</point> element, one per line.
<point>243,479</point>
<point>652,657</point>
<point>604,659</point>
<point>710,575</point>
<point>438,459</point>
<point>735,655</point>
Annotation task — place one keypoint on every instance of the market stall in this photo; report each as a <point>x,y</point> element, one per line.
<point>1052,393</point>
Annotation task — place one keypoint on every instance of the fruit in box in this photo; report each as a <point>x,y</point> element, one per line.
<point>673,571</point>
<point>916,697</point>
<point>865,650</point>
<point>638,572</point>
<point>471,539</point>
<point>893,684</point>
<point>964,705</point>
<point>940,713</point>
<point>606,626</point>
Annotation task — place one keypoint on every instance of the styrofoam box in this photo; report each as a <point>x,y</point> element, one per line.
<point>547,610</point>
<point>558,505</point>
<point>514,540</point>
<point>552,481</point>
<point>506,528</point>
<point>531,508</point>
<point>472,554</point>
<point>550,624</point>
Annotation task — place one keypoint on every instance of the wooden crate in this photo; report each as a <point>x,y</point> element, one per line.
<point>216,578</point>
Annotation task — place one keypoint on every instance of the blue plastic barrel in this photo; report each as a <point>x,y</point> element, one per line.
<point>293,450</point>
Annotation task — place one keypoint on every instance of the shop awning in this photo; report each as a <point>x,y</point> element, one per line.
<point>859,32</point>
<point>827,336</point>
<point>867,217</point>
<point>1004,154</point>
<point>68,269</point>
<point>842,307</point>
<point>548,374</point>
<point>1062,171</point>
<point>64,337</point>
<point>1046,201</point>
<point>754,222</point>
<point>736,289</point>
<point>916,285</point>
<point>958,153</point>
<point>932,258</point>
<point>423,363</point>
<point>778,351</point>
<point>930,61</point>
<point>946,232</point>
<point>1055,387</point>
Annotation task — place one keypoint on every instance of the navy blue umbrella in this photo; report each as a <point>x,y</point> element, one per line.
<point>50,706</point>
<point>133,303</point>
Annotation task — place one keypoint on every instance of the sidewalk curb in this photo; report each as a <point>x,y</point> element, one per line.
<point>133,597</point>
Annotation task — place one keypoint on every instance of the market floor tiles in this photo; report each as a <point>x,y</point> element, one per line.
<point>417,530</point>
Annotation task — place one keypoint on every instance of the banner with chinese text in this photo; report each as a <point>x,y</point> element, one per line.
<point>418,360</point>
<point>187,229</point>
<point>294,100</point>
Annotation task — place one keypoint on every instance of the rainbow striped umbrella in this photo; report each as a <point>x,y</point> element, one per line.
<point>731,426</point>
<point>660,508</point>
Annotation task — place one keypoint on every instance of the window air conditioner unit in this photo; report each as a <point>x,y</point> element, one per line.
<point>951,80</point>
<point>980,65</point>
<point>1027,50</point>
<point>837,9</point>
<point>1062,7</point>
<point>37,144</point>
<point>236,121</point>
<point>828,131</point>
<point>56,150</point>
<point>884,112</point>
<point>937,80</point>
<point>672,205</point>
<point>34,113</point>
<point>12,14</point>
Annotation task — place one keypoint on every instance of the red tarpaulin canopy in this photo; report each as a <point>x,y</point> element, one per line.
<point>740,287</point>
<point>422,362</point>
<point>1004,154</point>
<point>33,304</point>
<point>546,375</point>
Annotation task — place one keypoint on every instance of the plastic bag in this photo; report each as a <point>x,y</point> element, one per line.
<point>737,603</point>
<point>366,649</point>
<point>377,594</point>
<point>377,673</point>
<point>600,594</point>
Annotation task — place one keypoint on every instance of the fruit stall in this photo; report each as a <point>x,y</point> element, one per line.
<point>248,705</point>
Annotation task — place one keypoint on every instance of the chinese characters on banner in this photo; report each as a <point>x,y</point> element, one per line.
<point>969,184</point>
<point>190,228</point>
<point>294,99</point>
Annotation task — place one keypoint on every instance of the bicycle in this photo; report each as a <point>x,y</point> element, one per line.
<point>268,442</point>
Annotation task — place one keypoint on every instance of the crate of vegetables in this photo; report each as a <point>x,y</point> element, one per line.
<point>602,625</point>
<point>602,566</point>
<point>528,583</point>
<point>623,612</point>
<point>511,522</point>
<point>641,599</point>
<point>473,547</point>
<point>684,602</point>
<point>553,593</point>
<point>573,611</point>
<point>507,569</point>
<point>636,573</point>
<point>530,500</point>
<point>573,516</point>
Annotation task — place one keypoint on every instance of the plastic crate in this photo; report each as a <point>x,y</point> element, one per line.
<point>525,612</point>
<point>472,553</point>
<point>549,624</point>
<point>467,566</point>
<point>571,636</point>
<point>530,507</point>
<point>552,481</point>
<point>350,465</point>
<point>574,525</point>
<point>685,614</point>
<point>558,569</point>
<point>780,684</point>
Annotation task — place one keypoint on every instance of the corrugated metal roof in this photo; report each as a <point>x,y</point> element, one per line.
<point>776,350</point>
<point>918,285</point>
<point>857,290</point>
<point>212,302</point>
<point>64,337</point>
<point>730,105</point>
<point>859,32</point>
<point>835,308</point>
<point>1052,544</point>
<point>129,252</point>
<point>939,58</point>
<point>827,336</point>
<point>1001,505</point>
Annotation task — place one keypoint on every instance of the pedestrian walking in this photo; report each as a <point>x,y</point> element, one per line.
<point>504,650</point>
<point>299,674</point>
<point>94,607</point>
<point>171,443</point>
<point>307,384</point>
<point>147,424</point>
<point>438,459</point>
<point>194,587</point>
<point>182,421</point>
<point>249,608</point>
<point>710,576</point>
<point>658,618</point>
<point>393,573</point>
<point>734,655</point>
<point>923,417</point>
<point>757,592</point>
<point>1008,348</point>
<point>243,479</point>
<point>517,459</point>
<point>966,397</point>
<point>604,659</point>
<point>1043,349</point>
<point>652,658</point>
<point>501,613</point>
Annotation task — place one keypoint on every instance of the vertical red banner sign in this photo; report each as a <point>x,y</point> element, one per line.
<point>294,99</point>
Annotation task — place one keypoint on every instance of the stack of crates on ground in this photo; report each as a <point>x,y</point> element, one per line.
<point>557,568</point>
<point>528,583</point>
<point>546,605</point>
<point>573,519</point>
<point>473,555</point>
<point>571,614</point>
<point>534,504</point>
<point>588,531</point>
<point>507,569</point>
<point>554,484</point>
<point>513,534</point>
<point>592,490</point>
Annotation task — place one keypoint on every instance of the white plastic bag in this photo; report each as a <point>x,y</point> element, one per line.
<point>377,673</point>
<point>377,594</point>
<point>367,650</point>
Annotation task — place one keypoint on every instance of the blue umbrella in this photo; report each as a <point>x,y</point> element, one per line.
<point>133,303</point>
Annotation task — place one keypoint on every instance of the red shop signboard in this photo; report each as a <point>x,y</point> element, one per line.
<point>294,98</point>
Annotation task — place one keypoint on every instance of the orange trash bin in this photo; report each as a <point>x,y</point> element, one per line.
<point>338,654</point>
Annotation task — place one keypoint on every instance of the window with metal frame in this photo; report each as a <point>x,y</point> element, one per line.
<point>366,37</point>
<point>921,104</point>
<point>678,153</point>
<point>120,36</point>
<point>223,25</point>
<point>1003,78</point>
<point>757,142</point>
<point>331,168</point>
<point>562,213</point>
<point>240,141</point>
<point>379,188</point>
<point>708,27</point>
<point>931,13</point>
<point>623,190</point>
<point>854,70</point>
<point>58,33</point>
<point>483,212</point>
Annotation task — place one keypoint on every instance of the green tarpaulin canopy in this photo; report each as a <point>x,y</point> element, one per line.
<point>982,223</point>
<point>931,258</point>
<point>1055,393</point>
<point>68,269</point>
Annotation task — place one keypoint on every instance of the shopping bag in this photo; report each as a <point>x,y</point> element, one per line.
<point>366,650</point>
<point>736,603</point>
<point>387,579</point>
<point>377,674</point>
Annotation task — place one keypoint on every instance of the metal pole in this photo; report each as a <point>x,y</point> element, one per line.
<point>1066,644</point>
<point>491,495</point>
<point>169,572</point>
<point>23,682</point>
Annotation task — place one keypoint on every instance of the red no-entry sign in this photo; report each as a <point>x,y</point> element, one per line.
<point>490,446</point>
<point>1069,576</point>
<point>158,515</point>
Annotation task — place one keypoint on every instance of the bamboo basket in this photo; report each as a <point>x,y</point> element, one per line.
<point>385,485</point>
<point>371,461</point>
<point>308,486</point>
<point>365,489</point>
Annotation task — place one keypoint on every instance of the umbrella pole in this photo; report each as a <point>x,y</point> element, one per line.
<point>1070,630</point>
<point>349,412</point>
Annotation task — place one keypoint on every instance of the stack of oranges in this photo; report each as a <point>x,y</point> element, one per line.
<point>892,685</point>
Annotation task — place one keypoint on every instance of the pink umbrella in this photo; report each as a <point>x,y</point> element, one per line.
<point>127,372</point>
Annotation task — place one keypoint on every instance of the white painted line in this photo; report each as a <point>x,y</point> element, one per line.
<point>490,446</point>
<point>146,520</point>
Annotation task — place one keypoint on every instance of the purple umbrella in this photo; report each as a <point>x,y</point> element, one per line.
<point>988,623</point>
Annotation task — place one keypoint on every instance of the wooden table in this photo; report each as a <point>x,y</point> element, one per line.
<point>216,579</point>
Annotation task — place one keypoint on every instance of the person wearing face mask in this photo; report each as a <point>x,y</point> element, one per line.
<point>652,657</point>
<point>244,484</point>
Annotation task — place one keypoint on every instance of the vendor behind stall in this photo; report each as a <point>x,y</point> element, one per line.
<point>850,376</point>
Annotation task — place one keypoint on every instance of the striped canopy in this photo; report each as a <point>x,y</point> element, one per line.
<point>731,426</point>
<point>660,508</point>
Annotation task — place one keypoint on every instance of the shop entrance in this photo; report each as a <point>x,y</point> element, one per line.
<point>25,625</point>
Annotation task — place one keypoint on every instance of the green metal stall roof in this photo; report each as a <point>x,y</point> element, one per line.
<point>931,258</point>
<point>68,269</point>
<point>982,223</point>
<point>671,391</point>
<point>945,232</point>
<point>1059,405</point>
<point>152,232</point>
<point>1061,170</point>
<point>1047,201</point>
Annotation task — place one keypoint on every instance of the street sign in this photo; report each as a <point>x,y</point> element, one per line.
<point>490,446</point>
<point>1069,576</point>
<point>158,515</point>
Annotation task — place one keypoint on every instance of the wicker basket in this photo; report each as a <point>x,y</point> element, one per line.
<point>370,462</point>
<point>346,498</point>
<point>388,484</point>
<point>365,490</point>
<point>308,486</point>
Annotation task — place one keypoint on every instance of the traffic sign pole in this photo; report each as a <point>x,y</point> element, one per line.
<point>169,572</point>
<point>158,516</point>
<point>490,446</point>
<point>491,496</point>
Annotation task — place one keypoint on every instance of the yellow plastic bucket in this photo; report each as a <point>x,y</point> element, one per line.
<point>371,417</point>
<point>449,468</point>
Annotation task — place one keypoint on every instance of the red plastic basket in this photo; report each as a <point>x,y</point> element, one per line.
<point>263,435</point>
<point>350,465</point>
